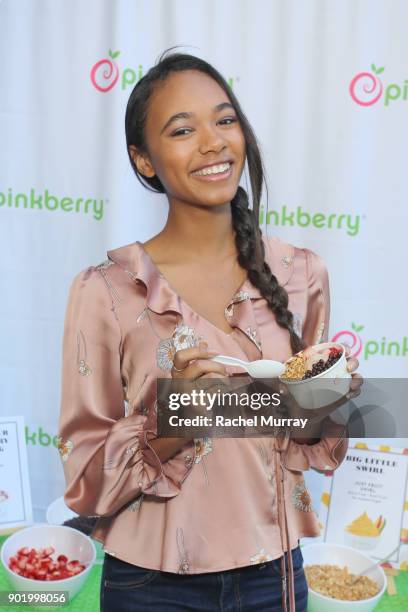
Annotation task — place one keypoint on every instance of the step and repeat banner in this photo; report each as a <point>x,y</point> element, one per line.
<point>325,86</point>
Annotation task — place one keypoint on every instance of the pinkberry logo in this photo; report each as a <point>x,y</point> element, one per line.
<point>372,347</point>
<point>366,88</point>
<point>105,73</point>
<point>351,338</point>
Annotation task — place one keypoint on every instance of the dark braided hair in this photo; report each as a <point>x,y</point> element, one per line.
<point>245,220</point>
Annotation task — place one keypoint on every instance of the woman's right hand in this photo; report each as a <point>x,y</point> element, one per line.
<point>196,362</point>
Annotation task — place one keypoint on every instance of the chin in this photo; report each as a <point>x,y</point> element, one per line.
<point>222,196</point>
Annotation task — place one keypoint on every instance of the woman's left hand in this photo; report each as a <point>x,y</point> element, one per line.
<point>356,378</point>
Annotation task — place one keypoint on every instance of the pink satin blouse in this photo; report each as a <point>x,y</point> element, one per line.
<point>219,502</point>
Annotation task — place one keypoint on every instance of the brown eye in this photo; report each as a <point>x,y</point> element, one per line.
<point>232,119</point>
<point>180,131</point>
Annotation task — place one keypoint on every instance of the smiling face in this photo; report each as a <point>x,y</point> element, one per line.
<point>191,127</point>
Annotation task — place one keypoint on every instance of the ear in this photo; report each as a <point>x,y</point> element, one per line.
<point>142,162</point>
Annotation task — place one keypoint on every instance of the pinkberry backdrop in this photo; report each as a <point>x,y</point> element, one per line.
<point>324,85</point>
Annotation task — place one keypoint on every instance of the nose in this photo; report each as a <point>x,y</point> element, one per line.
<point>211,139</point>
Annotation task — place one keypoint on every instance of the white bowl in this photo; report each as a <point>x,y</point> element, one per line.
<point>65,540</point>
<point>355,561</point>
<point>325,388</point>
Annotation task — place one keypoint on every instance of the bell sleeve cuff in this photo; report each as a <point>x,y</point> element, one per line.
<point>323,456</point>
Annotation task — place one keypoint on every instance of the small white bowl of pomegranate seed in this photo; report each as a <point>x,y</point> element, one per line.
<point>318,375</point>
<point>48,558</point>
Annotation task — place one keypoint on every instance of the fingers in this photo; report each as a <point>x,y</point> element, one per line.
<point>352,364</point>
<point>216,375</point>
<point>195,362</point>
<point>347,350</point>
<point>355,386</point>
<point>204,367</point>
<point>356,379</point>
<point>183,357</point>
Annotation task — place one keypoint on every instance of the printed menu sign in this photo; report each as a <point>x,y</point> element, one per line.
<point>365,505</point>
<point>15,495</point>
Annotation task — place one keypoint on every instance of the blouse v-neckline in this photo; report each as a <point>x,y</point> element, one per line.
<point>182,301</point>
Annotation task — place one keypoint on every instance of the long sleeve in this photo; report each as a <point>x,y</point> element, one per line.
<point>106,456</point>
<point>329,452</point>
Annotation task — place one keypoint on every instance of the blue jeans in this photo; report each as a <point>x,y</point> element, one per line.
<point>130,588</point>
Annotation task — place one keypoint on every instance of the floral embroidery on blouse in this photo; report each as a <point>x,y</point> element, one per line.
<point>165,354</point>
<point>203,446</point>
<point>252,334</point>
<point>130,450</point>
<point>319,333</point>
<point>265,461</point>
<point>188,460</point>
<point>105,264</point>
<point>83,367</point>
<point>184,565</point>
<point>142,315</point>
<point>183,337</point>
<point>301,498</point>
<point>287,260</point>
<point>137,503</point>
<point>261,557</point>
<point>229,310</point>
<point>64,448</point>
<point>240,296</point>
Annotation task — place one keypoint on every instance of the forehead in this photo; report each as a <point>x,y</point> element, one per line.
<point>187,91</point>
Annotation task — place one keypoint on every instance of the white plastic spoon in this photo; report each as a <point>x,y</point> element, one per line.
<point>357,577</point>
<point>261,368</point>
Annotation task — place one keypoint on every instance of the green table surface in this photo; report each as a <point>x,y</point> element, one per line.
<point>88,597</point>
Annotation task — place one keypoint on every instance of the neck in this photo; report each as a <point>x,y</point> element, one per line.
<point>202,232</point>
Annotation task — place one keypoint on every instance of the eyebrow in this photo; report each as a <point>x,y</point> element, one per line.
<point>186,115</point>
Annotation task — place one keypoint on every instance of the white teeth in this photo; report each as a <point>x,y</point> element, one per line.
<point>213,169</point>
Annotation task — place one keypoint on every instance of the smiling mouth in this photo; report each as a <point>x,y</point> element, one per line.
<point>214,173</point>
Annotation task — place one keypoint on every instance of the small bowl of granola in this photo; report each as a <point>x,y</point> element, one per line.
<point>318,375</point>
<point>331,571</point>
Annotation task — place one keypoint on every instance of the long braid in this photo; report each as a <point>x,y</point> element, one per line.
<point>251,257</point>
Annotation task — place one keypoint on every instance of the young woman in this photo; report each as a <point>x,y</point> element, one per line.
<point>210,523</point>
